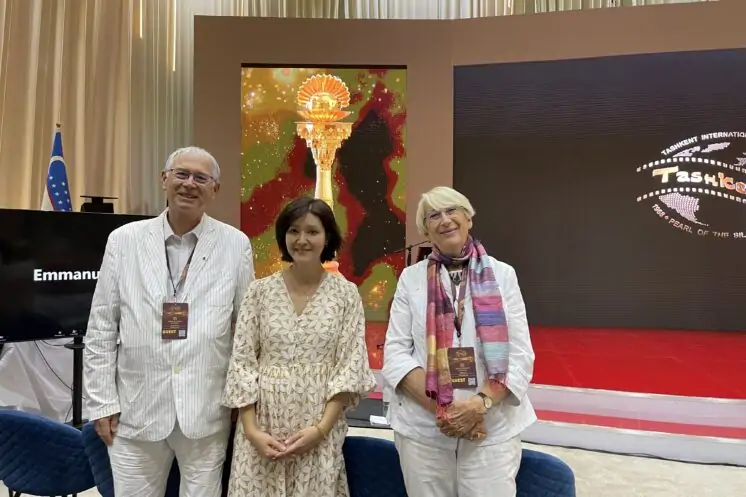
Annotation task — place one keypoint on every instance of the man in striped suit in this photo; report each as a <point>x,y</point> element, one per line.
<point>160,335</point>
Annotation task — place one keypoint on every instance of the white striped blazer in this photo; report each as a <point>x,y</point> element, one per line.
<point>129,368</point>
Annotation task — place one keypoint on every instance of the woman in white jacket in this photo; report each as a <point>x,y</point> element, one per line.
<point>457,361</point>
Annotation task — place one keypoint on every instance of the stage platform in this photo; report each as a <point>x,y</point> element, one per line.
<point>666,362</point>
<point>700,430</point>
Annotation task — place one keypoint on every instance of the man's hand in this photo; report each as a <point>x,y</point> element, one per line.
<point>267,446</point>
<point>107,428</point>
<point>303,441</point>
<point>461,417</point>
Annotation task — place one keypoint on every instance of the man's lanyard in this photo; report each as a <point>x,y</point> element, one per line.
<point>178,285</point>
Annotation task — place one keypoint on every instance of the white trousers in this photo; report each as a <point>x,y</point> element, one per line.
<point>141,468</point>
<point>469,471</point>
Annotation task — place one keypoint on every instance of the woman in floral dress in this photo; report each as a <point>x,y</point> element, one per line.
<point>299,362</point>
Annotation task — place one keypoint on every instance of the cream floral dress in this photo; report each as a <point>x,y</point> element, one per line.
<point>290,366</point>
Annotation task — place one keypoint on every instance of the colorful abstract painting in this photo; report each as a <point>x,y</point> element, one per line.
<point>369,176</point>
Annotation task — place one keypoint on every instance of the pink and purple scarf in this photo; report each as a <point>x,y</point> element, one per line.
<point>489,314</point>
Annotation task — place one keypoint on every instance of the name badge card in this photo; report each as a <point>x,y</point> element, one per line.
<point>175,320</point>
<point>463,367</point>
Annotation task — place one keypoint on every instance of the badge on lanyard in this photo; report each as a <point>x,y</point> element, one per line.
<point>175,320</point>
<point>461,360</point>
<point>176,314</point>
<point>463,367</point>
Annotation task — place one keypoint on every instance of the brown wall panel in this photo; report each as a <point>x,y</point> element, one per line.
<point>429,49</point>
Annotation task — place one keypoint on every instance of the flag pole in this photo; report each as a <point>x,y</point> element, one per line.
<point>56,195</point>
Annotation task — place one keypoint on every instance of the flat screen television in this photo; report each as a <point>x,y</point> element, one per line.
<point>49,264</point>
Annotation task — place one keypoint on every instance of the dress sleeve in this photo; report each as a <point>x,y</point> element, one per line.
<point>351,373</point>
<point>242,382</point>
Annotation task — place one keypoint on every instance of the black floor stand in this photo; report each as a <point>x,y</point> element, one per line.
<point>77,346</point>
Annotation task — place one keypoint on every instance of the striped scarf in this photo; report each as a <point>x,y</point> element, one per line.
<point>489,315</point>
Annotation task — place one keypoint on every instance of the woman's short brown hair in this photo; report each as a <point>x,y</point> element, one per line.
<point>299,208</point>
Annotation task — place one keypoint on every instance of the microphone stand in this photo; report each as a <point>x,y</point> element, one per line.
<point>408,250</point>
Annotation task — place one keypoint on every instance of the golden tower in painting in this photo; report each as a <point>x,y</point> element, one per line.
<point>322,99</point>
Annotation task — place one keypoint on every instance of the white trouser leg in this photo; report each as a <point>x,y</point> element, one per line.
<point>200,462</point>
<point>471,471</point>
<point>488,470</point>
<point>140,468</point>
<point>428,471</point>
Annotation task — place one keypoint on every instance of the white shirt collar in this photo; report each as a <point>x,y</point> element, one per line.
<point>168,232</point>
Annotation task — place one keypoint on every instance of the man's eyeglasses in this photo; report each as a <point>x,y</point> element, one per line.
<point>199,178</point>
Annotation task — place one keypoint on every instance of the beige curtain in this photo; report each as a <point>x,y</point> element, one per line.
<point>461,9</point>
<point>63,61</point>
<point>117,74</point>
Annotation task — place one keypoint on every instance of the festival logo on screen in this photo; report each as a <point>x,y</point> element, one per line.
<point>698,186</point>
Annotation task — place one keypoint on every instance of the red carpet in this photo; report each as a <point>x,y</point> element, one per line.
<point>687,363</point>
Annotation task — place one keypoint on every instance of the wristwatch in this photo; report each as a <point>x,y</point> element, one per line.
<point>486,399</point>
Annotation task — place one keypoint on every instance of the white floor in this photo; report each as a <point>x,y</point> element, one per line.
<point>611,475</point>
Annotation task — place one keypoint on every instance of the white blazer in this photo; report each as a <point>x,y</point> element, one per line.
<point>129,368</point>
<point>406,350</point>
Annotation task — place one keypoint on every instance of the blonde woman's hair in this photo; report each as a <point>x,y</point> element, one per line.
<point>441,197</point>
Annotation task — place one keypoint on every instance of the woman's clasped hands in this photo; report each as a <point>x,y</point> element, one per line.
<point>299,443</point>
<point>464,419</point>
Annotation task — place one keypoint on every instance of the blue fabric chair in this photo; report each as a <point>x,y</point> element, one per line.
<point>373,470</point>
<point>544,475</point>
<point>39,456</point>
